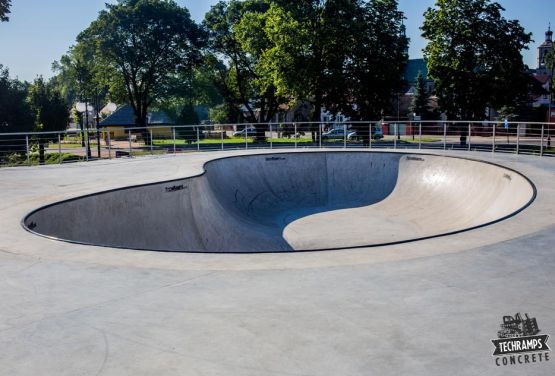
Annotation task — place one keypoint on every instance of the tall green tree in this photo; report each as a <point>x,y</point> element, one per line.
<point>15,114</point>
<point>247,94</point>
<point>51,112</point>
<point>474,56</point>
<point>141,44</point>
<point>5,10</point>
<point>307,50</point>
<point>419,104</point>
<point>380,51</point>
<point>342,55</point>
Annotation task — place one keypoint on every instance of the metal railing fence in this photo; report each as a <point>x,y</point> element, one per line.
<point>24,149</point>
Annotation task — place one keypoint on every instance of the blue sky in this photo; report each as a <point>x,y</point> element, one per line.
<point>40,31</point>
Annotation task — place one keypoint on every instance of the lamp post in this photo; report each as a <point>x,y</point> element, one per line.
<point>84,108</point>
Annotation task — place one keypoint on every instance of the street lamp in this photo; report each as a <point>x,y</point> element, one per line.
<point>84,108</point>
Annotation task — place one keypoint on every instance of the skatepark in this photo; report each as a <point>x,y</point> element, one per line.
<point>198,264</point>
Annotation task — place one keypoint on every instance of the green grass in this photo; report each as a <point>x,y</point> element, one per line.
<point>233,140</point>
<point>49,159</point>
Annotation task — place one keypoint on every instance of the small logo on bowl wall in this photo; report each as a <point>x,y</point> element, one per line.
<point>520,342</point>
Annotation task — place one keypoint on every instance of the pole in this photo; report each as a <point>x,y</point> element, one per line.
<point>173,137</point>
<point>109,144</point>
<point>344,136</point>
<point>198,139</point>
<point>295,135</point>
<point>320,128</point>
<point>87,145</point>
<point>469,134</point>
<point>518,138</point>
<point>444,136</point>
<point>222,130</point>
<point>271,137</point>
<point>130,147</point>
<point>27,149</point>
<point>493,145</point>
<point>59,148</point>
<point>395,137</point>
<point>419,136</point>
<point>88,141</point>
<point>541,142</point>
<point>246,139</point>
<point>369,135</point>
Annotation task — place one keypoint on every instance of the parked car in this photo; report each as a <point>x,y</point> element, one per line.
<point>335,134</point>
<point>250,131</point>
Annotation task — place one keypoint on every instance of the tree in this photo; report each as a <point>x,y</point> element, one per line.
<point>419,105</point>
<point>380,55</point>
<point>5,10</point>
<point>79,77</point>
<point>306,49</point>
<point>15,114</point>
<point>343,55</point>
<point>141,44</point>
<point>236,35</point>
<point>550,64</point>
<point>51,112</point>
<point>474,57</point>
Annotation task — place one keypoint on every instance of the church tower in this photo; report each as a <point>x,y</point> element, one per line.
<point>543,50</point>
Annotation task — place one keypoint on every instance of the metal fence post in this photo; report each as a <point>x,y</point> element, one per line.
<point>344,136</point>
<point>27,149</point>
<point>541,142</point>
<point>395,137</point>
<point>493,144</point>
<point>109,144</point>
<point>271,137</point>
<point>518,138</point>
<point>198,139</point>
<point>246,137</point>
<point>151,142</point>
<point>320,130</point>
<point>469,135</point>
<point>444,136</point>
<point>222,130</point>
<point>419,136</point>
<point>130,147</point>
<point>59,148</point>
<point>173,137</point>
<point>87,145</point>
<point>370,135</point>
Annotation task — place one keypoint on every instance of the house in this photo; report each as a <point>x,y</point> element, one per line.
<point>123,119</point>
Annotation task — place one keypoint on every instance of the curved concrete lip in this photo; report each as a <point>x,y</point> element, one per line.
<point>383,195</point>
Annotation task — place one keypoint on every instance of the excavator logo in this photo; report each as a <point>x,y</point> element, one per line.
<point>520,342</point>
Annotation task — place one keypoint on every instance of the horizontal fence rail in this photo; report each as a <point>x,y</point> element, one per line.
<point>75,145</point>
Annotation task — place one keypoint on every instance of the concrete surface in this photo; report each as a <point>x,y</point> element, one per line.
<point>297,201</point>
<point>423,308</point>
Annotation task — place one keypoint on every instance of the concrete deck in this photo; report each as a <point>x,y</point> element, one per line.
<point>424,308</point>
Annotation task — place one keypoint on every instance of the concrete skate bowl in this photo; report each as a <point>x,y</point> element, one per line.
<point>294,202</point>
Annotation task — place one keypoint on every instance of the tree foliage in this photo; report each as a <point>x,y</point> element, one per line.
<point>550,64</point>
<point>15,112</point>
<point>474,56</point>
<point>246,92</point>
<point>50,110</point>
<point>343,55</point>
<point>419,105</point>
<point>140,44</point>
<point>5,10</point>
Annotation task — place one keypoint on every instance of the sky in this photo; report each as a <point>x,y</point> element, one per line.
<point>41,31</point>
